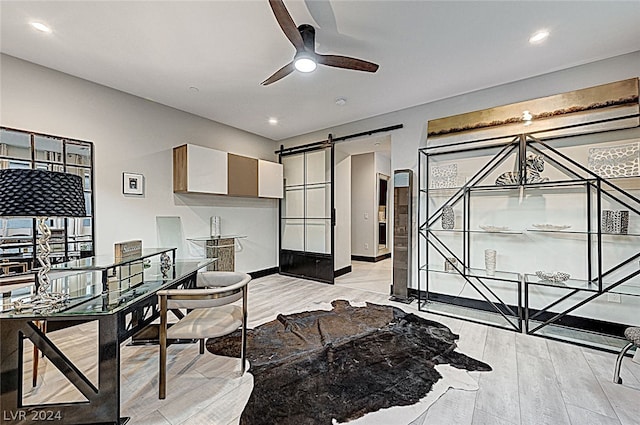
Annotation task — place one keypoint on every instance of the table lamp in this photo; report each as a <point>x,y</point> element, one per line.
<point>41,194</point>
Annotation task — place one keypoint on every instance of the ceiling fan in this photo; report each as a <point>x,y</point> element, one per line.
<point>306,58</point>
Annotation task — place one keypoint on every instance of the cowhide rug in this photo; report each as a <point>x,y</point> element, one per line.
<point>319,367</point>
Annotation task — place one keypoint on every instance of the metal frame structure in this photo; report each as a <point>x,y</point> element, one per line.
<point>600,280</point>
<point>512,315</point>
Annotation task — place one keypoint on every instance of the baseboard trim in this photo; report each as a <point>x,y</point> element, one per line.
<point>371,259</point>
<point>383,257</point>
<point>263,272</point>
<point>342,271</point>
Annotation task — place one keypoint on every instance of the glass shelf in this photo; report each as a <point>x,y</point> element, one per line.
<point>578,336</point>
<point>545,185</point>
<point>476,273</point>
<point>442,190</point>
<point>580,232</point>
<point>214,238</point>
<point>582,285</point>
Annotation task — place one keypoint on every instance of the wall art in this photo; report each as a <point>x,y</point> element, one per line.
<point>443,176</point>
<point>132,184</point>
<point>615,161</point>
<point>583,106</point>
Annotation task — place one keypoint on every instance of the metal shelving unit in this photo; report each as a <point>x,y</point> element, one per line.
<point>511,298</point>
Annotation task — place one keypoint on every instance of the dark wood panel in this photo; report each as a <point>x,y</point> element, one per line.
<point>180,179</point>
<point>242,175</point>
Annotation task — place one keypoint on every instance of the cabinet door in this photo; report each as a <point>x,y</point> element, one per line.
<point>199,169</point>
<point>207,170</point>
<point>270,179</point>
<point>243,176</point>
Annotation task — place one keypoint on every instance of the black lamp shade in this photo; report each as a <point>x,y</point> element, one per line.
<point>40,193</point>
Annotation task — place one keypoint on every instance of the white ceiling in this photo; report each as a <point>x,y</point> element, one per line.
<point>427,50</point>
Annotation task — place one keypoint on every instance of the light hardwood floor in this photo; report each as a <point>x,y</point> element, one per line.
<point>534,381</point>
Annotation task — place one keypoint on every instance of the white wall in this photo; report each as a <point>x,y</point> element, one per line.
<point>406,141</point>
<point>364,215</point>
<point>383,163</point>
<point>137,135</point>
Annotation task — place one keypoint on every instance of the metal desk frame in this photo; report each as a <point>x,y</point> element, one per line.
<point>103,402</point>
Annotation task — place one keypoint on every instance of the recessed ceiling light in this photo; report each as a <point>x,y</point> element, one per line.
<point>273,121</point>
<point>194,89</point>
<point>341,101</point>
<point>41,27</point>
<point>539,37</point>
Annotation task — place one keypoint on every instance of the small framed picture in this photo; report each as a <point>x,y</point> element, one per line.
<point>132,184</point>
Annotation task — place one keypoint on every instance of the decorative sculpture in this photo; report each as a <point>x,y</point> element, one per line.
<point>534,166</point>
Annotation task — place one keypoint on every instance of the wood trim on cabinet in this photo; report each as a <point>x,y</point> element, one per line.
<point>242,176</point>
<point>180,169</point>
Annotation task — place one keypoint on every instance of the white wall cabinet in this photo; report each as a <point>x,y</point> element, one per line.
<point>270,179</point>
<point>197,169</point>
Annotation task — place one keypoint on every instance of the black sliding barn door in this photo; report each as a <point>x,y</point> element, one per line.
<point>307,217</point>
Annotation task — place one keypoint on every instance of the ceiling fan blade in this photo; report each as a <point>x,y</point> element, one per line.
<point>281,73</point>
<point>286,23</point>
<point>347,62</point>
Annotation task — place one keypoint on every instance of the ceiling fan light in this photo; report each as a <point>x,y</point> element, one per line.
<point>305,63</point>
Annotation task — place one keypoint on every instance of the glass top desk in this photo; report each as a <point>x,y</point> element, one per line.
<point>119,313</point>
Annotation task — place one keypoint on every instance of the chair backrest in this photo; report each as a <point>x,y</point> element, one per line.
<point>213,289</point>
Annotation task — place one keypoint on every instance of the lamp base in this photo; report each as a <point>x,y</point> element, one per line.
<point>41,303</point>
<point>45,301</point>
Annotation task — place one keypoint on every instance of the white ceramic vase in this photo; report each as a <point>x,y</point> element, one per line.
<point>490,261</point>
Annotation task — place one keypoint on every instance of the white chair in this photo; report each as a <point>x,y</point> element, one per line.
<point>210,313</point>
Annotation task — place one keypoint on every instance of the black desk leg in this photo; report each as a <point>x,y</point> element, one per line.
<point>102,405</point>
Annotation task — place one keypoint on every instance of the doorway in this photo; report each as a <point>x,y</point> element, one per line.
<point>383,201</point>
<point>364,194</point>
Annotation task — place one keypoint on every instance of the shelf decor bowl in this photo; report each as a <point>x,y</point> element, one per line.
<point>551,226</point>
<point>490,228</point>
<point>553,276</point>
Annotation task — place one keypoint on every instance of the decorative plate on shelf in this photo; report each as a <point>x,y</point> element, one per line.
<point>490,228</point>
<point>551,226</point>
<point>553,276</point>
